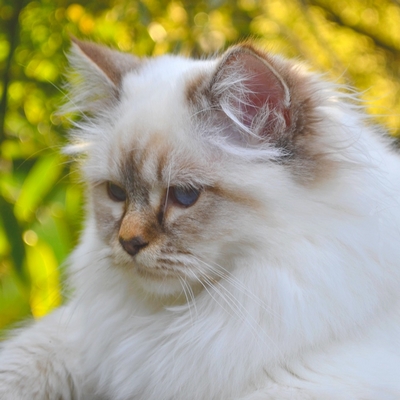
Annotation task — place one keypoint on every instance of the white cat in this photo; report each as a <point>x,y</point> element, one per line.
<point>242,239</point>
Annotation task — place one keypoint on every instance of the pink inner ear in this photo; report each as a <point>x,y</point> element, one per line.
<point>263,87</point>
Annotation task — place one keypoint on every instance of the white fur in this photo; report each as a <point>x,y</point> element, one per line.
<point>308,307</point>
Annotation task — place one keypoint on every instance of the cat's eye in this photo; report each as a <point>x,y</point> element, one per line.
<point>185,196</point>
<point>115,192</point>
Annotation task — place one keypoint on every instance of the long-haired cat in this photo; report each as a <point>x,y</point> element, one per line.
<point>242,239</point>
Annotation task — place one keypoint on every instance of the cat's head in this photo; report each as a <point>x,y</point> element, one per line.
<point>196,165</point>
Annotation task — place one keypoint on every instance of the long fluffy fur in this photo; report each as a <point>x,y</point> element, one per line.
<point>290,284</point>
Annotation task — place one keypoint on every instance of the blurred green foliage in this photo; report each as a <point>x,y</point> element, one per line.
<point>353,41</point>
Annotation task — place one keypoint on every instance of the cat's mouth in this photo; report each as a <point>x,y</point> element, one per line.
<point>156,264</point>
<point>167,272</point>
<point>160,266</point>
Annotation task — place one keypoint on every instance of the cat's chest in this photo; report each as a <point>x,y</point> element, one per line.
<point>166,356</point>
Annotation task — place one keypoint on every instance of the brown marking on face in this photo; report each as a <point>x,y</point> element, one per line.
<point>141,224</point>
<point>104,219</point>
<point>170,247</point>
<point>162,208</point>
<point>132,225</point>
<point>191,223</point>
<point>136,188</point>
<point>163,157</point>
<point>156,147</point>
<point>167,262</point>
<point>144,150</point>
<point>235,196</point>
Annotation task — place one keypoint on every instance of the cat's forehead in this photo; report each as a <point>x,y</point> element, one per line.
<point>156,160</point>
<point>160,153</point>
<point>154,132</point>
<point>153,101</point>
<point>164,78</point>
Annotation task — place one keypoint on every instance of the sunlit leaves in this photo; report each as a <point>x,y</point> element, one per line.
<point>14,297</point>
<point>39,181</point>
<point>45,278</point>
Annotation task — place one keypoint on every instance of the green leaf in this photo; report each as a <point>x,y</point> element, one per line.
<point>40,180</point>
<point>14,234</point>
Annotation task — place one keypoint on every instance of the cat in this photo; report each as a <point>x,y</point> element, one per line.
<point>242,239</point>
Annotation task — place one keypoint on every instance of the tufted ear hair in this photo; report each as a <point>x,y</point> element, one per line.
<point>96,75</point>
<point>252,94</point>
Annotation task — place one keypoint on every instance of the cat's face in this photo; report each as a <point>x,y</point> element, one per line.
<point>185,160</point>
<point>170,209</point>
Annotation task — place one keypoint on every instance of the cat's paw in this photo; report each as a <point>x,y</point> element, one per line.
<point>34,373</point>
<point>17,385</point>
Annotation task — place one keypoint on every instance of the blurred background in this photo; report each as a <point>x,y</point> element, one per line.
<point>41,204</point>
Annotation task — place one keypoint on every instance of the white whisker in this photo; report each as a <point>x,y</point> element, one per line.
<point>228,277</point>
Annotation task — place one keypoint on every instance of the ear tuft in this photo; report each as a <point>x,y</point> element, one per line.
<point>251,92</point>
<point>96,76</point>
<point>111,63</point>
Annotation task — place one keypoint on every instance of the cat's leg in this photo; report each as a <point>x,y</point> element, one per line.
<point>40,362</point>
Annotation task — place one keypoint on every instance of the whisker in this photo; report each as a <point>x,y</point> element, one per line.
<point>188,297</point>
<point>242,314</point>
<point>224,274</point>
<point>209,292</point>
<point>166,196</point>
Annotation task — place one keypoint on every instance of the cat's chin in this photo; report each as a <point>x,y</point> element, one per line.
<point>160,288</point>
<point>158,283</point>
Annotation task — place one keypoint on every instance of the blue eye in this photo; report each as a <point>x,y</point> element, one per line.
<point>115,192</point>
<point>186,197</point>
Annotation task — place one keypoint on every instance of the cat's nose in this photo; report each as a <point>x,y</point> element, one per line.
<point>134,245</point>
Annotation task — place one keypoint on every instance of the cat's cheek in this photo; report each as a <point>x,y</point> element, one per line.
<point>209,220</point>
<point>107,217</point>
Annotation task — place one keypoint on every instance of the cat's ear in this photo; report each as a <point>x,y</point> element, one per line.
<point>251,93</point>
<point>97,73</point>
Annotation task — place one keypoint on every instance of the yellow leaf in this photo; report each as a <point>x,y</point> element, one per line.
<point>45,279</point>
